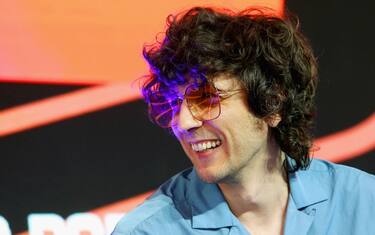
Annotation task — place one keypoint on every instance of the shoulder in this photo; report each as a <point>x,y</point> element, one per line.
<point>342,176</point>
<point>143,214</point>
<point>160,211</point>
<point>346,185</point>
<point>348,198</point>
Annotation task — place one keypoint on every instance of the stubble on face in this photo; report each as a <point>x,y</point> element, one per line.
<point>243,137</point>
<point>242,161</point>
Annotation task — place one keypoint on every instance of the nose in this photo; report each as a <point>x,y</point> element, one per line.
<point>184,121</point>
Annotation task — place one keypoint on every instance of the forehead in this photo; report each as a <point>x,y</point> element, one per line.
<point>222,82</point>
<point>226,82</point>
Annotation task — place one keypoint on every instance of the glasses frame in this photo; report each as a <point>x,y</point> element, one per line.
<point>179,100</point>
<point>214,96</point>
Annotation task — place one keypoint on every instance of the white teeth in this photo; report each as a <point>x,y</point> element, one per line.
<point>205,145</point>
<point>200,147</point>
<point>208,145</point>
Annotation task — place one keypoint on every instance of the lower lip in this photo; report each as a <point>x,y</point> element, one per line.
<point>207,155</point>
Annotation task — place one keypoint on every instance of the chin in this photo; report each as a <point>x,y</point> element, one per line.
<point>208,176</point>
<point>218,176</point>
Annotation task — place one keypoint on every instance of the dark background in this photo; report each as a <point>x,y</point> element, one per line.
<point>103,157</point>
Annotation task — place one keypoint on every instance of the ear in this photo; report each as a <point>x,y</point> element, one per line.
<point>273,120</point>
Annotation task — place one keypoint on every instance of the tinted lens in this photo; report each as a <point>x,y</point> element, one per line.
<point>203,102</point>
<point>161,109</point>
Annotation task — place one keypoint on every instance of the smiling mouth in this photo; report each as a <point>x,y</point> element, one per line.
<point>205,145</point>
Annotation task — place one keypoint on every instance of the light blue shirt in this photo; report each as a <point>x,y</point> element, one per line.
<point>325,199</point>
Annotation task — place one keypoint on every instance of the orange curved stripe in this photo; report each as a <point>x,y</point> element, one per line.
<point>65,106</point>
<point>348,143</point>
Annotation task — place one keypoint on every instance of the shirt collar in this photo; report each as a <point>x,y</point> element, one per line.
<point>308,187</point>
<point>209,208</point>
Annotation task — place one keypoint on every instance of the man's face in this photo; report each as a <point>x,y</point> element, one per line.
<point>225,148</point>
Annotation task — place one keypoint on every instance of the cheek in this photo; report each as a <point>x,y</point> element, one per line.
<point>245,129</point>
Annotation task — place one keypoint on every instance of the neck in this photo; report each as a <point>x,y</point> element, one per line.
<point>260,192</point>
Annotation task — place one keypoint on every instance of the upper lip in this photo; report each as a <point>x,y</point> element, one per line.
<point>202,140</point>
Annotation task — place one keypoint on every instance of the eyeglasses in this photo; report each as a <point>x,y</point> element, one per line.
<point>203,102</point>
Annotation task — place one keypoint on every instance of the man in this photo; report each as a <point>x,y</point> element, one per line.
<point>237,90</point>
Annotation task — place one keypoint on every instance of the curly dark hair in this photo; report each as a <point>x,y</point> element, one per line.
<point>267,53</point>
